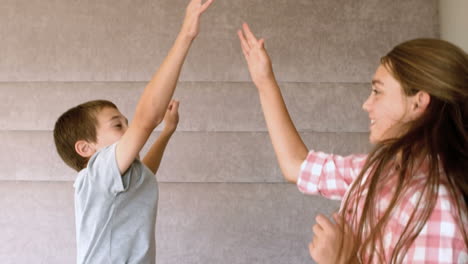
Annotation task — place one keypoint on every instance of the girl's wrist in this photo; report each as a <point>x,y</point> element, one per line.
<point>265,84</point>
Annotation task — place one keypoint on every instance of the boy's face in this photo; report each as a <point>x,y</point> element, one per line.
<point>111,127</point>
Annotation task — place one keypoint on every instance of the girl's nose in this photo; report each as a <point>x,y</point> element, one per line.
<point>366,105</point>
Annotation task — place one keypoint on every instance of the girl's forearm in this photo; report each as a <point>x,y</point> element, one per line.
<point>289,148</point>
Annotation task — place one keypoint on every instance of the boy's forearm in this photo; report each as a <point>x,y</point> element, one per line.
<point>287,143</point>
<point>154,156</point>
<point>159,91</point>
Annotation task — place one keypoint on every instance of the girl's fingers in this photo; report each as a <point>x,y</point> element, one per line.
<point>324,222</point>
<point>244,45</point>
<point>261,43</point>
<point>317,229</point>
<point>337,219</point>
<point>341,224</point>
<point>311,247</point>
<point>252,40</point>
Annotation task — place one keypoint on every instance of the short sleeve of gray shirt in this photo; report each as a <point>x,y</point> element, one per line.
<point>115,215</point>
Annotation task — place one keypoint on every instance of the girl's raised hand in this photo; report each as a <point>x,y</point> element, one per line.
<point>191,24</point>
<point>257,58</point>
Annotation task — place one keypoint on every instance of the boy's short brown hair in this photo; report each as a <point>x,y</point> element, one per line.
<point>78,123</point>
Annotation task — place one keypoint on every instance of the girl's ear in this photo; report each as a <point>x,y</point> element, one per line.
<point>420,103</point>
<point>84,148</point>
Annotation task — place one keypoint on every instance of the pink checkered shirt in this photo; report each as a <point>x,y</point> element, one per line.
<point>440,240</point>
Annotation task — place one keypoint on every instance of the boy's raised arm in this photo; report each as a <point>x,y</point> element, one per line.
<point>153,158</point>
<point>155,99</point>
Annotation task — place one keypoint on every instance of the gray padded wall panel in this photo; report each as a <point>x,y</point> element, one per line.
<point>106,40</point>
<point>197,223</point>
<point>205,106</point>
<point>190,156</point>
<point>223,199</point>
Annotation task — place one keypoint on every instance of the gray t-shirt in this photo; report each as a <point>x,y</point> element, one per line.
<point>115,215</point>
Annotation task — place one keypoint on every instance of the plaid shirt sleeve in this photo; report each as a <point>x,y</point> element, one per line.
<point>329,175</point>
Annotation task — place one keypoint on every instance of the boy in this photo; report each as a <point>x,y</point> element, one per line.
<point>115,193</point>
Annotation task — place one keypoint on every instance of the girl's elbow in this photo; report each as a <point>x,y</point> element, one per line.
<point>290,178</point>
<point>290,175</point>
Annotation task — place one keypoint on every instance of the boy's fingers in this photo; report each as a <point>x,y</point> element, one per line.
<point>169,106</point>
<point>205,5</point>
<point>175,107</point>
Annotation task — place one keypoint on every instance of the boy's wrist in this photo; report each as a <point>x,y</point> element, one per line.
<point>185,36</point>
<point>169,130</point>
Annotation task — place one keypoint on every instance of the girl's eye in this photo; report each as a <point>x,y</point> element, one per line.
<point>374,91</point>
<point>119,126</point>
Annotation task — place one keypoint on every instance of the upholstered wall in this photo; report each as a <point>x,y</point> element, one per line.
<point>222,196</point>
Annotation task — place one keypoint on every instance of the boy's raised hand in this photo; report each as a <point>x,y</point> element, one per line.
<point>325,247</point>
<point>257,58</point>
<point>191,24</point>
<point>171,118</point>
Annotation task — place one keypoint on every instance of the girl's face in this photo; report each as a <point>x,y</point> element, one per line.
<point>388,107</point>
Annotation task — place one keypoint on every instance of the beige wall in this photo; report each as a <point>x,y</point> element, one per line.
<point>223,199</point>
<point>454,22</point>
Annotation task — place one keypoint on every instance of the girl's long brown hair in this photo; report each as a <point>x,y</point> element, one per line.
<point>439,136</point>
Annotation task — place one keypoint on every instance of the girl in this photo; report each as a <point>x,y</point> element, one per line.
<point>406,201</point>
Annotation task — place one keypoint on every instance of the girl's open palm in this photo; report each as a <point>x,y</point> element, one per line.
<point>257,58</point>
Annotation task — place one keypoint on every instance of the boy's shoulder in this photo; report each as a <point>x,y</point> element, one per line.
<point>101,172</point>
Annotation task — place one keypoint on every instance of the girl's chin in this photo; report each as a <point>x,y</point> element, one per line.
<point>373,139</point>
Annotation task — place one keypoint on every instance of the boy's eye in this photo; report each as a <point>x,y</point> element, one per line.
<point>118,125</point>
<point>375,91</point>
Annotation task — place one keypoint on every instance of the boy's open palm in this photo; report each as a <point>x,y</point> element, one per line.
<point>258,61</point>
<point>191,23</point>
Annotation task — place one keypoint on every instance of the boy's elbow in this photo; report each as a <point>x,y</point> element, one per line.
<point>151,124</point>
<point>148,121</point>
<point>158,120</point>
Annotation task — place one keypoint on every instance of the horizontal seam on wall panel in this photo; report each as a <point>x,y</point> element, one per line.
<point>242,82</point>
<point>207,131</point>
<point>159,182</point>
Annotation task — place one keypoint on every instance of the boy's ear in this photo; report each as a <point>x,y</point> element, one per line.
<point>84,148</point>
